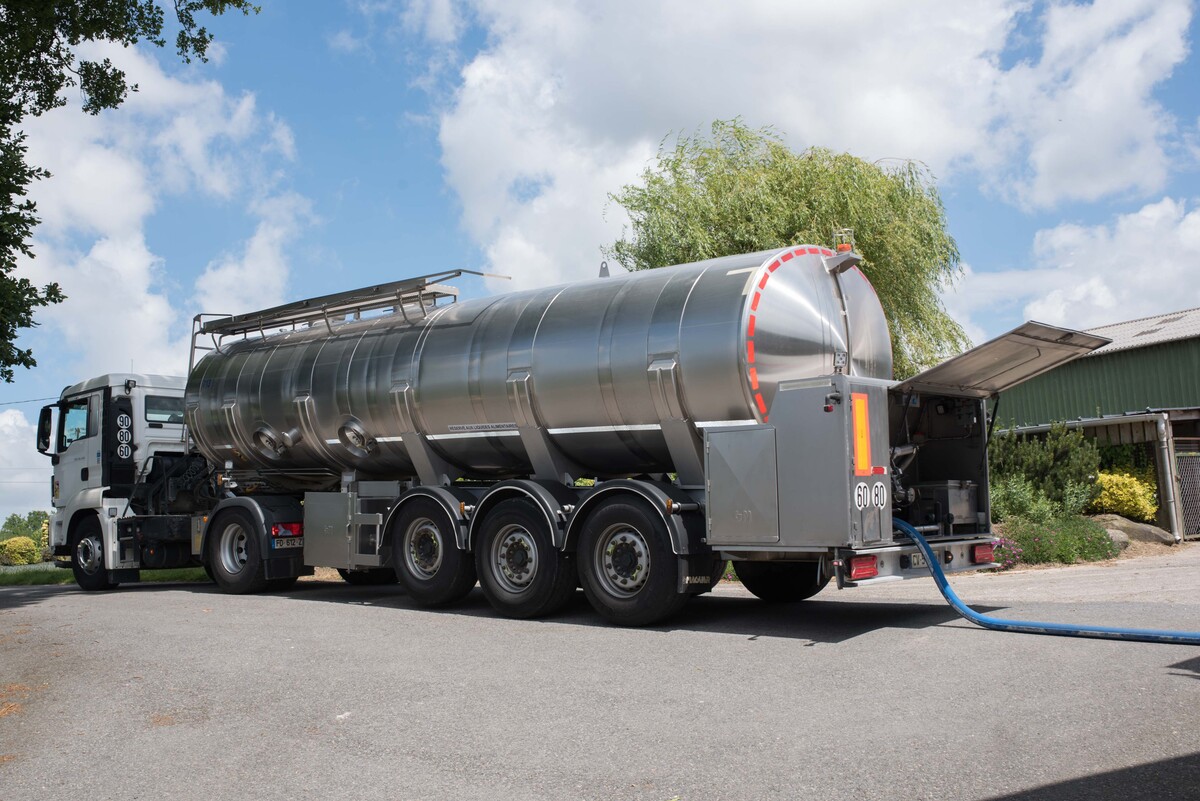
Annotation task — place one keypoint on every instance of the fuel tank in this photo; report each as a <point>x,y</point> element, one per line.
<point>595,367</point>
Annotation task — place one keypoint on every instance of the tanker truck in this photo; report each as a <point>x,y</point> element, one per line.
<point>628,435</point>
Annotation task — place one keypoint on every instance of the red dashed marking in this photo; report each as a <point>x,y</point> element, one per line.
<point>763,283</point>
<point>754,379</point>
<point>813,251</point>
<point>750,352</point>
<point>773,266</point>
<point>762,406</point>
<point>825,252</point>
<point>754,303</point>
<point>750,327</point>
<point>787,256</point>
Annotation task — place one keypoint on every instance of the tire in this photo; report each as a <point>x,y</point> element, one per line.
<point>426,558</point>
<point>234,550</point>
<point>87,557</point>
<point>718,572</point>
<point>372,577</point>
<point>626,566</point>
<point>781,582</point>
<point>522,574</point>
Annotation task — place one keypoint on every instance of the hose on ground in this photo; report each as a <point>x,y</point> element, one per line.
<point>1033,627</point>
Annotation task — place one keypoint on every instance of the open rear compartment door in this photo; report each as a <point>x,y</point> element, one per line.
<point>939,426</point>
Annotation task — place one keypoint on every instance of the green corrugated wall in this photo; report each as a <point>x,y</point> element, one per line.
<point>1157,377</point>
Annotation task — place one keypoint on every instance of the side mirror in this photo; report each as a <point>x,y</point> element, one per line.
<point>44,428</point>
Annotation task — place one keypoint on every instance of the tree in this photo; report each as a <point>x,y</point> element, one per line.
<point>743,190</point>
<point>37,62</point>
<point>28,526</point>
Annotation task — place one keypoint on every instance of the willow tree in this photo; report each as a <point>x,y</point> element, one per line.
<point>743,190</point>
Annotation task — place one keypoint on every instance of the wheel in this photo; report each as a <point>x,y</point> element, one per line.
<point>426,557</point>
<point>368,578</point>
<point>626,565</point>
<point>520,571</point>
<point>234,552</point>
<point>781,582</point>
<point>718,572</point>
<point>87,557</point>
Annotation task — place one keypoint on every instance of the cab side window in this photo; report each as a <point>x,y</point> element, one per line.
<point>75,422</point>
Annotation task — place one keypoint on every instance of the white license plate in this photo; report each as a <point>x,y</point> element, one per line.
<point>918,560</point>
<point>288,542</point>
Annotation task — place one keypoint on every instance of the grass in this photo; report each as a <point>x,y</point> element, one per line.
<point>56,575</point>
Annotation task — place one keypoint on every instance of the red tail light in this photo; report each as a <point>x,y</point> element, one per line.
<point>287,530</point>
<point>983,554</point>
<point>863,567</point>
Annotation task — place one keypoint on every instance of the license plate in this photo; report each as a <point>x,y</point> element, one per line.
<point>288,542</point>
<point>918,560</point>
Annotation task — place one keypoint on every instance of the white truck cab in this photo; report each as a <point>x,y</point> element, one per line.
<point>101,437</point>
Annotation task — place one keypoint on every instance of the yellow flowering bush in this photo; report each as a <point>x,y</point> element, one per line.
<point>1126,495</point>
<point>19,551</point>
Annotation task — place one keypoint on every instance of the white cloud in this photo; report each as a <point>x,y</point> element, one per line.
<point>24,473</point>
<point>111,173</point>
<point>568,101</point>
<point>1142,263</point>
<point>256,277</point>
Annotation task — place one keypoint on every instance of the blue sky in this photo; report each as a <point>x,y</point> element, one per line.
<point>338,144</point>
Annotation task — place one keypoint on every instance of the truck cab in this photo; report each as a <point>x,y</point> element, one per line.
<point>103,437</point>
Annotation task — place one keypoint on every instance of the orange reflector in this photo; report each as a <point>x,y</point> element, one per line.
<point>983,554</point>
<point>844,247</point>
<point>862,434</point>
<point>863,567</point>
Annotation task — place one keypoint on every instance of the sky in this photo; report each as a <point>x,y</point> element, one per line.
<point>336,144</point>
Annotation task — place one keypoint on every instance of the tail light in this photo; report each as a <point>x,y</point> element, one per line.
<point>863,567</point>
<point>287,529</point>
<point>983,554</point>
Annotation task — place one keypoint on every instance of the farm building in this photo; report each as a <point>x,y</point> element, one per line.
<point>1142,388</point>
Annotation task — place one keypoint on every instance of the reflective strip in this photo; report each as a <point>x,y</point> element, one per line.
<point>724,423</point>
<point>862,434</point>
<point>474,434</point>
<point>605,429</point>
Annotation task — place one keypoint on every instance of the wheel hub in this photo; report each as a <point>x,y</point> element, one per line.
<point>515,557</point>
<point>423,551</point>
<point>624,560</point>
<point>88,554</point>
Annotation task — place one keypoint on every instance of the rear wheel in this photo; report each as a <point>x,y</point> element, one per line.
<point>234,552</point>
<point>87,557</point>
<point>626,565</point>
<point>521,572</point>
<point>426,557</point>
<point>372,577</point>
<point>781,582</point>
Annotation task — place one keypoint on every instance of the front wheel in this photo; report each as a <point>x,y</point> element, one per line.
<point>781,582</point>
<point>87,557</point>
<point>234,552</point>
<point>626,566</point>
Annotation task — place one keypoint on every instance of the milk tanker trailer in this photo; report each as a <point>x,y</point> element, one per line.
<point>628,435</point>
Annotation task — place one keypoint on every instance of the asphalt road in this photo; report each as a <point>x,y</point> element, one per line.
<point>329,691</point>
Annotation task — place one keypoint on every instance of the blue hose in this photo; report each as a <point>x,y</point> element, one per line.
<point>1032,627</point>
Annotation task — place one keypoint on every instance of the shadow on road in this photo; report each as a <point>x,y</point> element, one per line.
<point>1167,779</point>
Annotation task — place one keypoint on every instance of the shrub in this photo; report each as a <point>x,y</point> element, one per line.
<point>19,551</point>
<point>1066,540</point>
<point>1013,496</point>
<point>1126,495</point>
<point>1053,463</point>
<point>1007,554</point>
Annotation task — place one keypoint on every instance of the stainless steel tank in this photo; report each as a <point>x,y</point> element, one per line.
<point>597,366</point>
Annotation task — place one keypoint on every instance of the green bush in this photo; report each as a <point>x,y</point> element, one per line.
<point>20,551</point>
<point>1014,496</point>
<point>1062,464</point>
<point>1126,495</point>
<point>1066,540</point>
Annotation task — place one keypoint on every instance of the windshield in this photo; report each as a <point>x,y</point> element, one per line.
<point>164,409</point>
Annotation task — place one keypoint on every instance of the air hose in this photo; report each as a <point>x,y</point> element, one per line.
<point>1032,627</point>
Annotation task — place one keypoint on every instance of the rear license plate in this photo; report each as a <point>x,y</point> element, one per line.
<point>918,560</point>
<point>288,542</point>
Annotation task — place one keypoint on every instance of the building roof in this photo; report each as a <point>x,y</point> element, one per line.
<point>1148,331</point>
